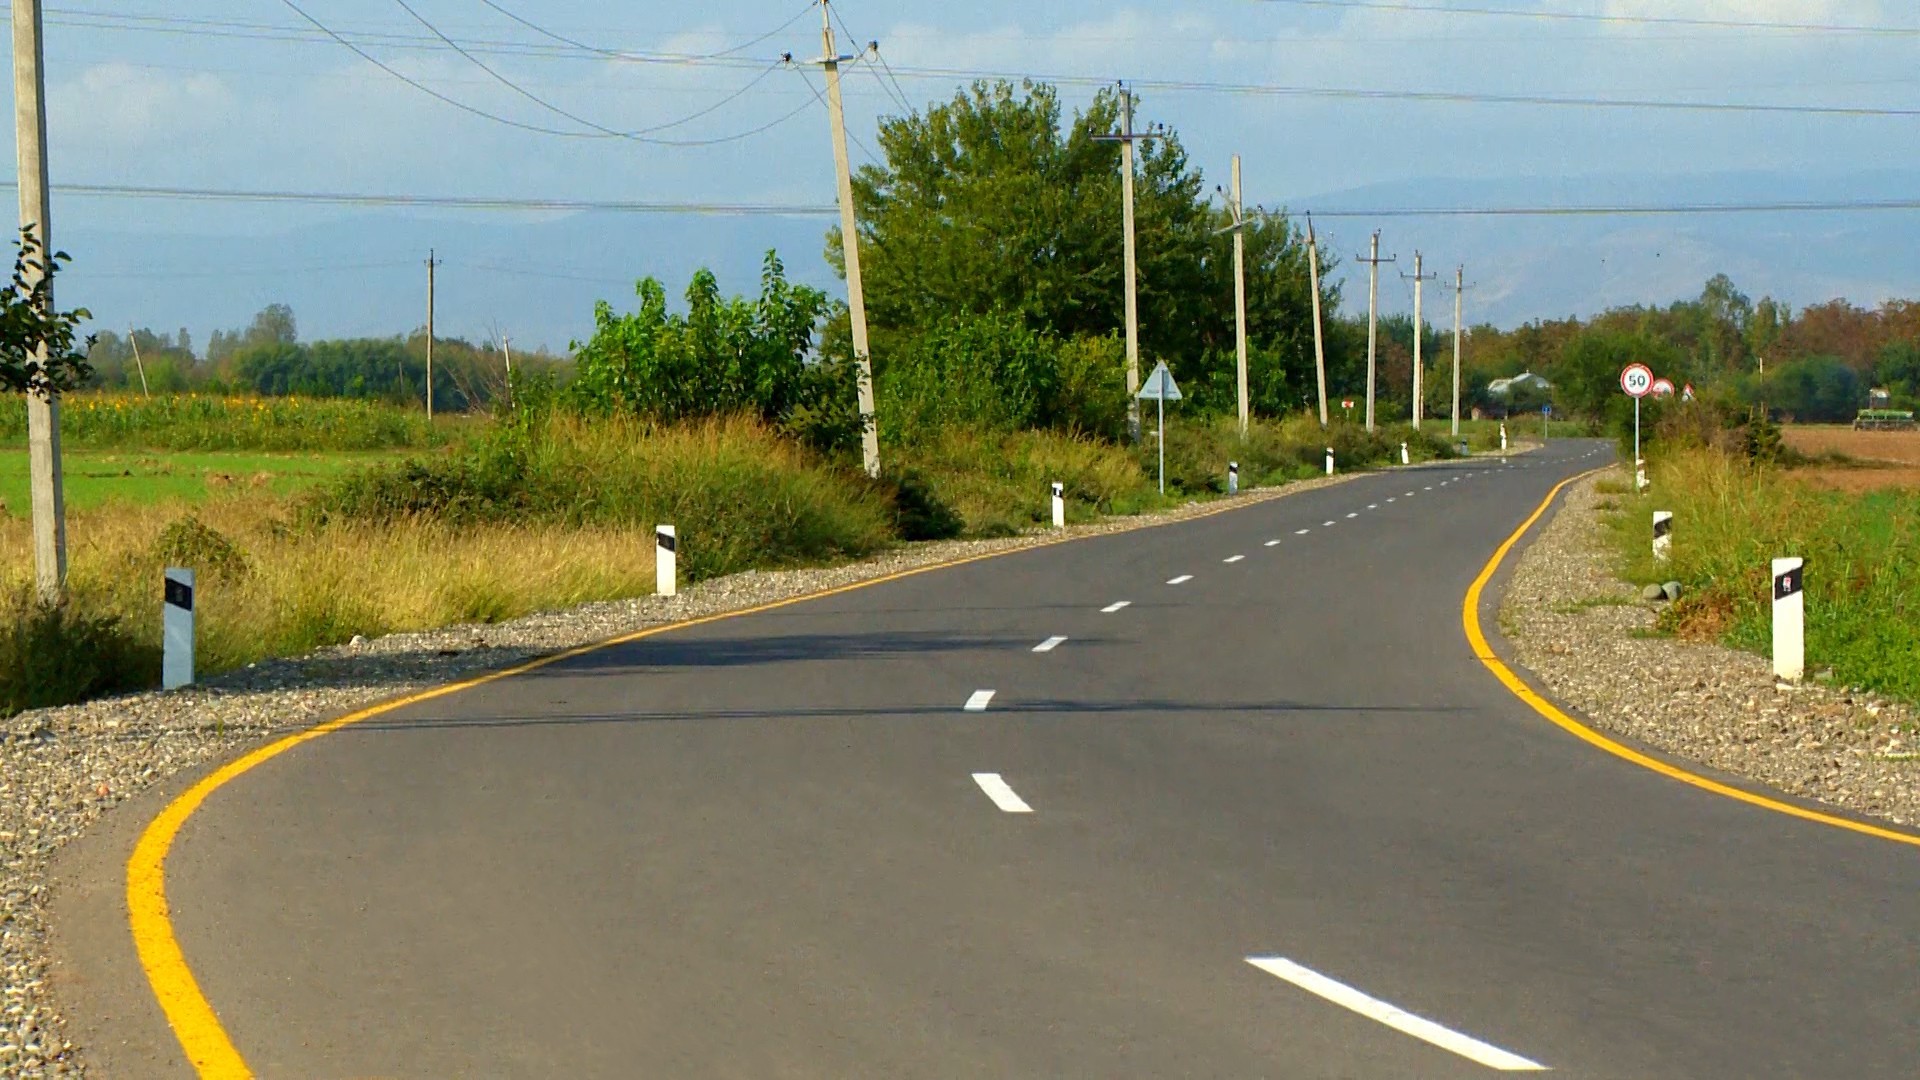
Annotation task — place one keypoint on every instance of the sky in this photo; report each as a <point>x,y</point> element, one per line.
<point>1357,111</point>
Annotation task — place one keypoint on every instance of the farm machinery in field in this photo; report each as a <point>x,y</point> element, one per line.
<point>1880,415</point>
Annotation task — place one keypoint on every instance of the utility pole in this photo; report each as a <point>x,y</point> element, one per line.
<point>830,61</point>
<point>431,264</point>
<point>1319,341</point>
<point>1240,293</point>
<point>36,213</point>
<point>1373,319</point>
<point>1126,139</point>
<point>506,346</point>
<point>138,364</point>
<point>1419,334</point>
<point>1459,289</point>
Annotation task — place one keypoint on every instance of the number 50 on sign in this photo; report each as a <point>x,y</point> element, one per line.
<point>1637,380</point>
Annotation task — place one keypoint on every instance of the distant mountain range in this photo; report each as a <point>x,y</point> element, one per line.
<point>537,280</point>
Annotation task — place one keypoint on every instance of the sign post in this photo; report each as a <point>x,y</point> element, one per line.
<point>1637,381</point>
<point>1789,619</point>
<point>1160,388</point>
<point>176,658</point>
<point>666,557</point>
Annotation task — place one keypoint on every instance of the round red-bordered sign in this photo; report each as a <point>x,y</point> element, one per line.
<point>1662,388</point>
<point>1637,380</point>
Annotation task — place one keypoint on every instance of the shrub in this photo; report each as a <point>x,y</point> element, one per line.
<point>190,543</point>
<point>58,655</point>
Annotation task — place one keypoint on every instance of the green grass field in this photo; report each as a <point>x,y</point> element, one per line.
<point>97,478</point>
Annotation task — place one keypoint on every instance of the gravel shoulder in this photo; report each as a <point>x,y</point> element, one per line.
<point>62,769</point>
<point>1583,632</point>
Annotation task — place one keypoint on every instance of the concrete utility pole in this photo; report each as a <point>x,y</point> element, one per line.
<point>1126,139</point>
<point>431,264</point>
<point>1373,262</point>
<point>1419,334</point>
<point>1459,288</point>
<point>1319,341</point>
<point>830,60</point>
<point>138,364</point>
<point>1240,293</point>
<point>36,213</point>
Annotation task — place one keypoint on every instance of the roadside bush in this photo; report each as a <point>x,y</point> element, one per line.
<point>188,542</point>
<point>919,514</point>
<point>740,494</point>
<point>58,655</point>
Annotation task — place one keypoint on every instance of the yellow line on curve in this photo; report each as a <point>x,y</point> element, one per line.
<point>195,1024</point>
<point>1470,618</point>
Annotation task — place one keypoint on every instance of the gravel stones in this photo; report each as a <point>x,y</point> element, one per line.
<point>1584,634</point>
<point>61,769</point>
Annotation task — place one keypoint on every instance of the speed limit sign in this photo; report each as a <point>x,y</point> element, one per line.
<point>1637,380</point>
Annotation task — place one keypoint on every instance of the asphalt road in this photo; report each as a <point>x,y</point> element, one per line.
<point>758,848</point>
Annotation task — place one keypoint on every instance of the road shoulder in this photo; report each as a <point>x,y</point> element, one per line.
<point>1585,635</point>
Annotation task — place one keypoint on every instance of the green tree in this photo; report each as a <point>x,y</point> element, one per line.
<point>29,324</point>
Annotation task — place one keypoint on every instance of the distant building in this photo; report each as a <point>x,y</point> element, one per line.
<point>1503,387</point>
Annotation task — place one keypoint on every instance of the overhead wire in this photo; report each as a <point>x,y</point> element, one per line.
<point>352,40</point>
<point>867,57</point>
<point>449,202</point>
<point>761,209</point>
<point>598,131</point>
<point>422,87</point>
<point>821,98</point>
<point>1550,15</point>
<point>618,55</point>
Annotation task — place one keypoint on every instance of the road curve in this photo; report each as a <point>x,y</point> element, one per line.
<point>1226,798</point>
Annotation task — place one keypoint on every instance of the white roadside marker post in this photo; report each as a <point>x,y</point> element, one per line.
<point>1329,461</point>
<point>176,623</point>
<point>1233,478</point>
<point>1503,438</point>
<point>1404,459</point>
<point>666,561</point>
<point>1789,619</point>
<point>1059,505</point>
<point>1662,535</point>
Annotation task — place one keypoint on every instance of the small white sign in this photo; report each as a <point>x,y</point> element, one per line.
<point>1637,380</point>
<point>1662,388</point>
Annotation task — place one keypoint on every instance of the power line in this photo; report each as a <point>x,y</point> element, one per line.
<point>615,54</point>
<point>757,209</point>
<point>448,202</point>
<point>502,79</point>
<point>817,96</point>
<point>868,55</point>
<point>1591,17</point>
<point>1165,85</point>
<point>424,88</point>
<point>1629,210</point>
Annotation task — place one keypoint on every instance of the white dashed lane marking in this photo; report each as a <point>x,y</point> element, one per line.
<point>1394,1017</point>
<point>1050,644</point>
<point>1181,580</point>
<point>1116,606</point>
<point>978,702</point>
<point>1002,795</point>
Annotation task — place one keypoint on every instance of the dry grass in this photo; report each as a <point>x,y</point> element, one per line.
<point>302,589</point>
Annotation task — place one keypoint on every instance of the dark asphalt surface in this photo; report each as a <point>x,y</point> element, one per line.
<point>754,848</point>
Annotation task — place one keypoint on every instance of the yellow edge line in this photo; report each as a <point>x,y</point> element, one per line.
<point>1470,618</point>
<point>189,1013</point>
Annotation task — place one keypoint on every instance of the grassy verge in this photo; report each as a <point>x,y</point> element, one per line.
<point>489,534</point>
<point>1732,517</point>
